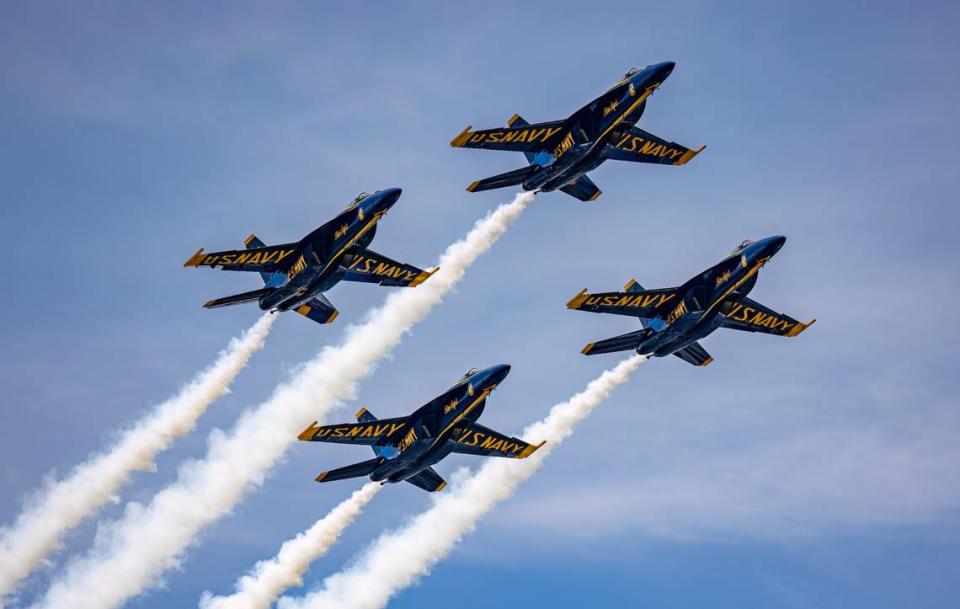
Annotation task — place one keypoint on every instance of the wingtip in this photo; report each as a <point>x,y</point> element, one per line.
<point>196,259</point>
<point>576,301</point>
<point>530,449</point>
<point>321,476</point>
<point>473,186</point>
<point>596,195</point>
<point>689,154</point>
<point>586,350</point>
<point>209,304</point>
<point>307,434</point>
<point>707,362</point>
<point>332,316</point>
<point>423,276</point>
<point>442,486</point>
<point>800,328</point>
<point>461,138</point>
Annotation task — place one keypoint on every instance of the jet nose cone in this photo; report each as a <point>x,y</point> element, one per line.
<point>390,195</point>
<point>498,373</point>
<point>775,243</point>
<point>663,70</point>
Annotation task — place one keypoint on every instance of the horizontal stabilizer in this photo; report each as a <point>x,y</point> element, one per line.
<point>428,480</point>
<point>318,309</point>
<point>226,301</point>
<point>694,354</point>
<point>624,342</point>
<point>583,189</point>
<point>510,178</point>
<point>364,468</point>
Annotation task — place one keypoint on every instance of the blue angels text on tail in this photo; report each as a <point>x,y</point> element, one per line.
<point>560,153</point>
<point>674,319</point>
<point>295,275</point>
<point>407,447</point>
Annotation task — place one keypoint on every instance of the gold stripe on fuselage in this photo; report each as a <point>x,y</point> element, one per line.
<point>749,274</point>
<point>633,106</point>
<point>483,395</point>
<point>353,240</point>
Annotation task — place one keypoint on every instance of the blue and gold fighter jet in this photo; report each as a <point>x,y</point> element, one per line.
<point>295,275</point>
<point>560,153</point>
<point>406,447</point>
<point>674,319</point>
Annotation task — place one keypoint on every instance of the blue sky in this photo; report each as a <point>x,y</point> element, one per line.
<point>820,471</point>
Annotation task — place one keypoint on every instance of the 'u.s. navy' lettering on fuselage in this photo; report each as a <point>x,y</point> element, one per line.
<point>407,440</point>
<point>242,258</point>
<point>677,312</point>
<point>297,267</point>
<point>541,135</point>
<point>564,145</point>
<point>739,312</point>
<point>642,301</point>
<point>635,143</point>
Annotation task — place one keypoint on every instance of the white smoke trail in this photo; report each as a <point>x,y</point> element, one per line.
<point>132,552</point>
<point>398,558</point>
<point>269,578</point>
<point>63,504</point>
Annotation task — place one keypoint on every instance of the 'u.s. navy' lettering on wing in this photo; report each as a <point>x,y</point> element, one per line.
<point>372,430</point>
<point>635,143</point>
<point>739,312</point>
<point>372,266</point>
<point>514,135</point>
<point>630,300</point>
<point>482,440</point>
<point>239,258</point>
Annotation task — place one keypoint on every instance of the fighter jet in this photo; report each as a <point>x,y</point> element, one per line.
<point>560,153</point>
<point>295,275</point>
<point>406,447</point>
<point>674,319</point>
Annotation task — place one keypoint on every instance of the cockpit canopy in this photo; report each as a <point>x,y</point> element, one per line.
<point>360,197</point>
<point>471,372</point>
<point>743,244</point>
<point>631,72</point>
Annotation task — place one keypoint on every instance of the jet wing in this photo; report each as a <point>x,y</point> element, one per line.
<point>640,303</point>
<point>519,138</point>
<point>368,433</point>
<point>360,264</point>
<point>641,147</point>
<point>260,259</point>
<point>475,439</point>
<point>751,316</point>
